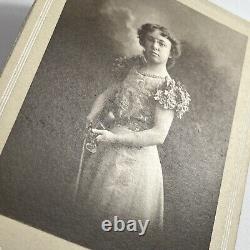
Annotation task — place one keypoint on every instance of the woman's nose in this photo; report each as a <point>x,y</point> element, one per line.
<point>155,44</point>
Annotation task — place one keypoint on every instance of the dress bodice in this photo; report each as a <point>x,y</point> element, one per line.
<point>134,103</point>
<point>137,95</point>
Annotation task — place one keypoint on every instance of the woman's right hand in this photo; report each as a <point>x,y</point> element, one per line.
<point>104,136</point>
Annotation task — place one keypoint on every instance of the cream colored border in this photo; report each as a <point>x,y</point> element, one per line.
<point>25,53</point>
<point>20,69</point>
<point>17,77</point>
<point>17,236</point>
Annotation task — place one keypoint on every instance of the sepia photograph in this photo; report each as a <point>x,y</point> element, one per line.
<point>122,139</point>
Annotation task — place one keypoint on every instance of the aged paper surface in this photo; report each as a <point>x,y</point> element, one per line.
<point>227,216</point>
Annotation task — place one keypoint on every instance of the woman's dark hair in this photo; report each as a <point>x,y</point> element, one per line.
<point>175,44</point>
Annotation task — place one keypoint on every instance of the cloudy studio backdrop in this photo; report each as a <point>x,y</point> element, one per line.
<point>40,160</point>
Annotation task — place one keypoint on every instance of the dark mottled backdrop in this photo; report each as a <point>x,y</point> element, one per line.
<point>40,160</point>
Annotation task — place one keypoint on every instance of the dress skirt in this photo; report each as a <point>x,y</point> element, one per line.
<point>122,181</point>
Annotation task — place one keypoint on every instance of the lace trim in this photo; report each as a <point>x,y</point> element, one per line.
<point>152,75</point>
<point>174,96</point>
<point>122,65</point>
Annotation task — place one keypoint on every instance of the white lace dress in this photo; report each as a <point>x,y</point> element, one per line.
<point>126,181</point>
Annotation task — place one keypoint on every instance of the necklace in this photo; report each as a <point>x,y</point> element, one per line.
<point>152,75</point>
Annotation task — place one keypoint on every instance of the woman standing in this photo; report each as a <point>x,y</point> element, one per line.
<point>124,177</point>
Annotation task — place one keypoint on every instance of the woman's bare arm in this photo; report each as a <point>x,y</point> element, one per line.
<point>99,104</point>
<point>153,136</point>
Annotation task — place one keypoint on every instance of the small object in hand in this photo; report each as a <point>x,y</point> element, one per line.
<point>91,147</point>
<point>90,139</point>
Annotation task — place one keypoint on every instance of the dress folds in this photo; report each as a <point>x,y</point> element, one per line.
<point>127,181</point>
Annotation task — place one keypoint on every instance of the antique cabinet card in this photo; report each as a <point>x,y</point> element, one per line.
<point>57,176</point>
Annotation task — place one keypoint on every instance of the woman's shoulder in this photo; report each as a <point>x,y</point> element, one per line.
<point>172,94</point>
<point>122,65</point>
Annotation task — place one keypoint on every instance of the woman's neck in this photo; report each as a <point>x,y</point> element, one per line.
<point>157,69</point>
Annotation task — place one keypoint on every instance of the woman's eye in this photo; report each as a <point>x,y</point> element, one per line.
<point>162,44</point>
<point>153,40</point>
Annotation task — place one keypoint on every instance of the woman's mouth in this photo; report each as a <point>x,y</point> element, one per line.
<point>154,53</point>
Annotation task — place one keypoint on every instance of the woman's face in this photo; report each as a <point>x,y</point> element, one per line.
<point>157,47</point>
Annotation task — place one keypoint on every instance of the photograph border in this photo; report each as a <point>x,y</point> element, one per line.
<point>17,77</point>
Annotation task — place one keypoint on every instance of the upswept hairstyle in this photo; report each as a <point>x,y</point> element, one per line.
<point>175,51</point>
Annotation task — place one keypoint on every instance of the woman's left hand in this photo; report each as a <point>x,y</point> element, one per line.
<point>104,136</point>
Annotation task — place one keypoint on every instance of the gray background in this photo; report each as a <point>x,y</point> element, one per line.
<point>241,8</point>
<point>12,16</point>
<point>39,162</point>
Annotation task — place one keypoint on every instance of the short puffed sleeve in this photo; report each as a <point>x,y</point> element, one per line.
<point>119,70</point>
<point>122,66</point>
<point>173,95</point>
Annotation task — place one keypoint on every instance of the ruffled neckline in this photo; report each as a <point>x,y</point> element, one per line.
<point>152,75</point>
<point>161,79</point>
